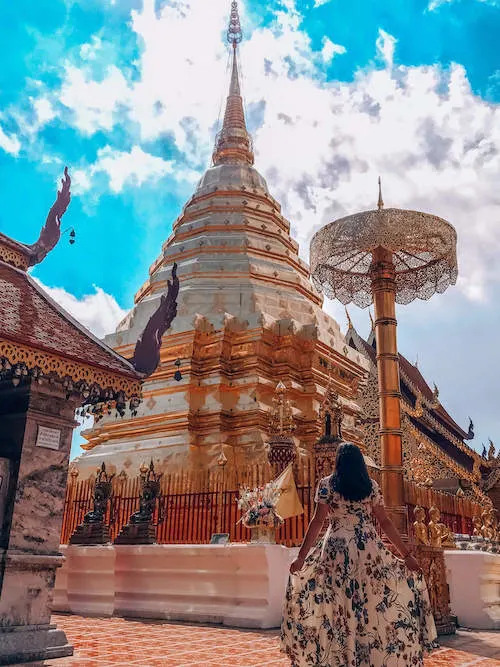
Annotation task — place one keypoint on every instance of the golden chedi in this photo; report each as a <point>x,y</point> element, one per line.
<point>248,316</point>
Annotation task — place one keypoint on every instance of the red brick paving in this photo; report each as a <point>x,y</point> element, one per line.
<point>117,642</point>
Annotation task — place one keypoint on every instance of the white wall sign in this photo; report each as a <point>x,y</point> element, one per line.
<point>50,438</point>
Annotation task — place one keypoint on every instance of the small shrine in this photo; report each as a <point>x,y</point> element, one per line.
<point>282,450</point>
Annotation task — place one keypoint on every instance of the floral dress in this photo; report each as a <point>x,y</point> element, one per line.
<point>354,604</point>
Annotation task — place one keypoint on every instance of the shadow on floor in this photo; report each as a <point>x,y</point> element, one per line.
<point>483,644</point>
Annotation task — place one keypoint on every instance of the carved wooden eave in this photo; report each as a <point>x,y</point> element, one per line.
<point>456,468</point>
<point>423,410</point>
<point>49,364</point>
<point>41,341</point>
<point>14,253</point>
<point>429,405</point>
<point>492,480</point>
<point>445,462</point>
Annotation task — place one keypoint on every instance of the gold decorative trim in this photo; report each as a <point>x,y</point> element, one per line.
<point>449,463</point>
<point>459,470</point>
<point>431,405</point>
<point>13,257</point>
<point>417,411</point>
<point>48,362</point>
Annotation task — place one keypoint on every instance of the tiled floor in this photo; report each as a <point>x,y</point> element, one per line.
<point>113,642</point>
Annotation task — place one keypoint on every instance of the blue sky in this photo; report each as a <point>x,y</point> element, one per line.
<point>128,94</point>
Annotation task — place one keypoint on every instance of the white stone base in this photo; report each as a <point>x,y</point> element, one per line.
<point>240,585</point>
<point>85,584</point>
<point>474,581</point>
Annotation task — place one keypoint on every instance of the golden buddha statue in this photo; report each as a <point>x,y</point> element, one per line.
<point>487,530</point>
<point>434,529</point>
<point>439,533</point>
<point>421,532</point>
<point>478,524</point>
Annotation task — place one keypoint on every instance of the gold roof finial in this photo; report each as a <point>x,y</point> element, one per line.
<point>380,202</point>
<point>234,33</point>
<point>233,144</point>
<point>349,321</point>
<point>371,320</point>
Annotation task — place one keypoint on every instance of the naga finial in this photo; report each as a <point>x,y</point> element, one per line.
<point>470,432</point>
<point>147,350</point>
<point>491,450</point>
<point>51,231</point>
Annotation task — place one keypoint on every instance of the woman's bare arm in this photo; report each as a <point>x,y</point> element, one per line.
<point>311,535</point>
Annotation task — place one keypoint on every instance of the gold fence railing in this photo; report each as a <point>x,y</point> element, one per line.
<point>194,505</point>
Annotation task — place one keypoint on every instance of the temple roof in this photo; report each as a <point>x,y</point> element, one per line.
<point>418,381</point>
<point>36,331</point>
<point>412,384</point>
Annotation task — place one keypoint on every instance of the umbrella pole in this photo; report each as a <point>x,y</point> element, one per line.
<point>383,276</point>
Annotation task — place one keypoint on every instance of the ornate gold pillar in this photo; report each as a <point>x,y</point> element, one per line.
<point>384,297</point>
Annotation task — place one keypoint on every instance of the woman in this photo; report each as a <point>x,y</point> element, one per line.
<point>351,603</point>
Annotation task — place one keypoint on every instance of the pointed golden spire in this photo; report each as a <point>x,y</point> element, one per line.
<point>233,144</point>
<point>380,202</point>
<point>349,321</point>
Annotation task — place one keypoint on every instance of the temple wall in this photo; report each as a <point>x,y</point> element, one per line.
<point>239,585</point>
<point>474,582</point>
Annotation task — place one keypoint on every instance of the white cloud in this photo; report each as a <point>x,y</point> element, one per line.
<point>9,143</point>
<point>136,165</point>
<point>99,312</point>
<point>385,46</point>
<point>434,4</point>
<point>320,144</point>
<point>133,167</point>
<point>91,50</point>
<point>44,110</point>
<point>94,103</point>
<point>319,3</point>
<point>330,50</point>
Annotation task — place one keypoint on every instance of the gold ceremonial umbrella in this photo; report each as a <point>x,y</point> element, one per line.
<point>386,256</point>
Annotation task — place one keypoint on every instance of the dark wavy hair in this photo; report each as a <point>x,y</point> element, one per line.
<point>351,479</point>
